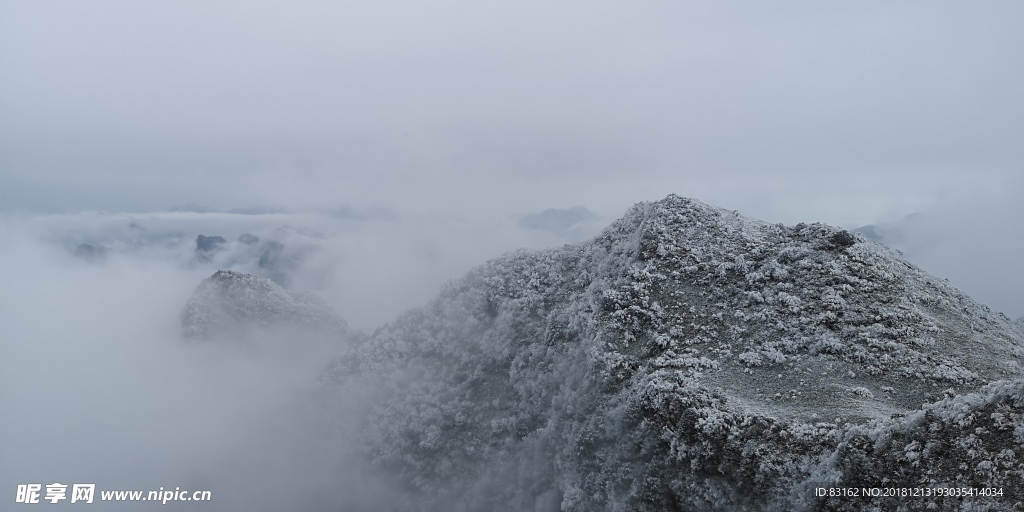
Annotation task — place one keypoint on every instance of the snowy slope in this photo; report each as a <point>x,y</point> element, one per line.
<point>688,358</point>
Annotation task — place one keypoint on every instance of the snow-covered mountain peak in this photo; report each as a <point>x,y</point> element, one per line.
<point>787,310</point>
<point>231,303</point>
<point>687,358</point>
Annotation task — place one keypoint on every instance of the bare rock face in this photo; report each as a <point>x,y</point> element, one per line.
<point>230,303</point>
<point>690,358</point>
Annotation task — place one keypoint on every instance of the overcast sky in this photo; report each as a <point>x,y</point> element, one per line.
<point>841,112</point>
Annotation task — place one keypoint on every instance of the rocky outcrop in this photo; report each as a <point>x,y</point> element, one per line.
<point>207,246</point>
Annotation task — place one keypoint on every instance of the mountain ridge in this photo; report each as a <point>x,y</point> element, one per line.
<point>690,358</point>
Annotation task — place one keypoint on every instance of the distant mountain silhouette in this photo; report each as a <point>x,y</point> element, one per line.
<point>231,303</point>
<point>91,253</point>
<point>576,222</point>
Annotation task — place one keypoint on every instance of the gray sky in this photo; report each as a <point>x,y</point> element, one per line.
<point>788,111</point>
